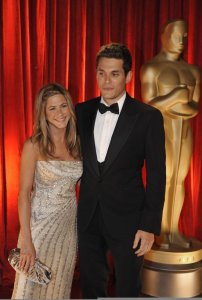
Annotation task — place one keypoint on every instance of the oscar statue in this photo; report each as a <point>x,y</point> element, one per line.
<point>172,85</point>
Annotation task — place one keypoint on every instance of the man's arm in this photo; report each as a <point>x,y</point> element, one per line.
<point>150,224</point>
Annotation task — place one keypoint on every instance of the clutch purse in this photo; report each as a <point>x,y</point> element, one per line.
<point>38,273</point>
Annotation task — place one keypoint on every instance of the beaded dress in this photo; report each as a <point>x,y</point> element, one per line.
<point>53,228</point>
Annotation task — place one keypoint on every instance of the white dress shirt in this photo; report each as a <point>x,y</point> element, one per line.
<point>104,128</point>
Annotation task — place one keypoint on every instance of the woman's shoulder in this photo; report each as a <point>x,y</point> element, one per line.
<point>30,145</point>
<point>31,148</point>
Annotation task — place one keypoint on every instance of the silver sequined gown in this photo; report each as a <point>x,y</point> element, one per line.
<point>53,227</point>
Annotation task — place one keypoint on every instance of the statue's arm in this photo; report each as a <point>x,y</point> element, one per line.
<point>150,94</point>
<point>196,95</point>
<point>190,109</point>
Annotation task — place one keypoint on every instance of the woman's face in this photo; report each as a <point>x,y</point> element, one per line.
<point>57,112</point>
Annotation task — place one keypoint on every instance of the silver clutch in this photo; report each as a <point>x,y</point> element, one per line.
<point>38,273</point>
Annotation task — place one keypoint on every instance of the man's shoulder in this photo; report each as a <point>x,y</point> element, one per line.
<point>143,110</point>
<point>140,106</point>
<point>88,103</point>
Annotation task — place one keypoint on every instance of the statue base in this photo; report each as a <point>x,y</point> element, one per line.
<point>175,272</point>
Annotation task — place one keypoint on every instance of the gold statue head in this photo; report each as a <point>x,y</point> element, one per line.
<point>174,36</point>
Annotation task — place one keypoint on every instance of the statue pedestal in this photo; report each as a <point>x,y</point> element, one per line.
<point>176,272</point>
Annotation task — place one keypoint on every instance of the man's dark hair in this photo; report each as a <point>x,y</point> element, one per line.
<point>116,50</point>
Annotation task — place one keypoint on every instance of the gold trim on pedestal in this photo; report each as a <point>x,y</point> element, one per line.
<point>176,255</point>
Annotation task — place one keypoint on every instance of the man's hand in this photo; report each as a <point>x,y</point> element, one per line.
<point>145,240</point>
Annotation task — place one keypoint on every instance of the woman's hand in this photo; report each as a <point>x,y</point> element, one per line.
<point>27,256</point>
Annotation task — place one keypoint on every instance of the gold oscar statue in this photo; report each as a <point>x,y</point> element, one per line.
<point>170,84</point>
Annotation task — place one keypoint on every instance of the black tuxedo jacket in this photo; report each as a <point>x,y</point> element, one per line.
<point>126,204</point>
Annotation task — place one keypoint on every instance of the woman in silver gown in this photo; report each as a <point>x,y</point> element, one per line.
<point>50,169</point>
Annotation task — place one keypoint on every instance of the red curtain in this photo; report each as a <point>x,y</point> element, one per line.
<point>56,40</point>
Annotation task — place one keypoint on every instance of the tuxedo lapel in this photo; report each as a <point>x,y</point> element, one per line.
<point>121,133</point>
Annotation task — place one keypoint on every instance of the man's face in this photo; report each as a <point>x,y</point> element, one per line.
<point>174,37</point>
<point>111,79</point>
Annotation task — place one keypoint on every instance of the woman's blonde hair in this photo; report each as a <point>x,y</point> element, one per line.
<point>41,135</point>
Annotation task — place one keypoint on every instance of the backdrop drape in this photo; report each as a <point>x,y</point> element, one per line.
<point>56,40</point>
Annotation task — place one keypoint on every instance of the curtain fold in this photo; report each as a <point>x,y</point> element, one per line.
<point>44,41</point>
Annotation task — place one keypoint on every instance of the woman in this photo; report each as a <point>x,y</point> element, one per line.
<point>50,169</point>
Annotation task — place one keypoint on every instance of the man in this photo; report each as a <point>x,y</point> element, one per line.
<point>173,86</point>
<point>115,211</point>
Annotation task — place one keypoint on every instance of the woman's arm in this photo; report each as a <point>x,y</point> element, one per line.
<point>27,169</point>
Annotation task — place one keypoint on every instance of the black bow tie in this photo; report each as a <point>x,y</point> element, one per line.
<point>114,108</point>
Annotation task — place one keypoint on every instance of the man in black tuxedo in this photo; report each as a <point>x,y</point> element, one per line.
<point>116,212</point>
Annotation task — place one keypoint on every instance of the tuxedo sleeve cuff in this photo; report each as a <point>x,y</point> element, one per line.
<point>151,222</point>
